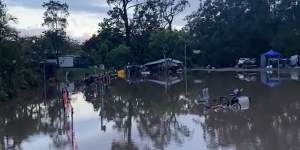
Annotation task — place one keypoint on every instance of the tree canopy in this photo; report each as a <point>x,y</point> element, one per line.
<point>55,16</point>
<point>149,18</point>
<point>6,32</point>
<point>227,30</point>
<point>20,57</point>
<point>223,30</point>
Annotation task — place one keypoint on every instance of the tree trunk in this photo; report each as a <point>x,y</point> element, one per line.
<point>126,22</point>
<point>170,21</point>
<point>170,26</point>
<point>54,44</point>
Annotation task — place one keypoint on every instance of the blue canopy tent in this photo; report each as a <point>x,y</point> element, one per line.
<point>271,54</point>
<point>265,61</point>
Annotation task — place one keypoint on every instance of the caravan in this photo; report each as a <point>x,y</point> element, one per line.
<point>294,61</point>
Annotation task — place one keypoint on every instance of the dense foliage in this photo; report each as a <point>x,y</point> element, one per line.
<point>139,32</point>
<point>16,70</point>
<point>223,30</point>
<point>20,57</point>
<point>227,30</point>
<point>142,31</point>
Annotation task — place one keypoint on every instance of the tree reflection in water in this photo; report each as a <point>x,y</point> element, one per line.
<point>20,121</point>
<point>279,130</point>
<point>155,115</point>
<point>146,116</point>
<point>272,122</point>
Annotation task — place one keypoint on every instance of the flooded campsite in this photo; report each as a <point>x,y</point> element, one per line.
<point>170,113</point>
<point>149,75</point>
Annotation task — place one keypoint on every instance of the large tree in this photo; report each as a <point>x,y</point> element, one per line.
<point>165,43</point>
<point>287,17</point>
<point>5,30</point>
<point>146,20</point>
<point>170,8</point>
<point>7,54</point>
<point>227,30</point>
<point>133,23</point>
<point>15,61</point>
<point>110,35</point>
<point>55,17</point>
<point>121,15</point>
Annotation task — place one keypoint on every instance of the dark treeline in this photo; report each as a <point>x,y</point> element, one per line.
<point>16,70</point>
<point>20,57</point>
<point>226,30</point>
<point>222,30</point>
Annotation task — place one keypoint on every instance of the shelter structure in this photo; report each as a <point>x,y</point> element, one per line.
<point>162,64</point>
<point>269,56</point>
<point>170,61</point>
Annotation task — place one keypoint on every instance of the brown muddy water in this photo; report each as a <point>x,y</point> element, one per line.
<point>160,114</point>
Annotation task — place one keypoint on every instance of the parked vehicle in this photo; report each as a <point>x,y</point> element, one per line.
<point>247,63</point>
<point>294,61</point>
<point>247,76</point>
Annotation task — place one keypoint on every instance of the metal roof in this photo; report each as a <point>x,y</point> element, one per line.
<point>163,61</point>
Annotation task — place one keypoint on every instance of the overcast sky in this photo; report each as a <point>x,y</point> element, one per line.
<point>83,20</point>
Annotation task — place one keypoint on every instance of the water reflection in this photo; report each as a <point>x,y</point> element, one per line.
<point>128,103</point>
<point>19,122</point>
<point>144,115</point>
<point>270,78</point>
<point>155,114</point>
<point>247,76</point>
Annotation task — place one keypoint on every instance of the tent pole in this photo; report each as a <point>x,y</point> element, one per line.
<point>278,69</point>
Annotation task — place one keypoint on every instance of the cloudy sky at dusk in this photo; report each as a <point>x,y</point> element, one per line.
<point>83,20</point>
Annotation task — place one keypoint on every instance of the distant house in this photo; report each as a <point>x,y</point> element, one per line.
<point>66,61</point>
<point>73,61</point>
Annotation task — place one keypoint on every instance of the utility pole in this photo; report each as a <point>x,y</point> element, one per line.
<point>45,86</point>
<point>185,68</point>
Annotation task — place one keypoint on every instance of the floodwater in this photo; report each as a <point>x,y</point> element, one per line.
<point>160,114</point>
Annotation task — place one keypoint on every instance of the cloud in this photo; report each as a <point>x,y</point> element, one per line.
<point>29,31</point>
<point>83,20</point>
<point>83,24</point>
<point>89,6</point>
<point>27,18</point>
<point>30,22</point>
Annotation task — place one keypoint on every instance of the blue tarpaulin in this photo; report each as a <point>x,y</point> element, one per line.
<point>272,53</point>
<point>267,55</point>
